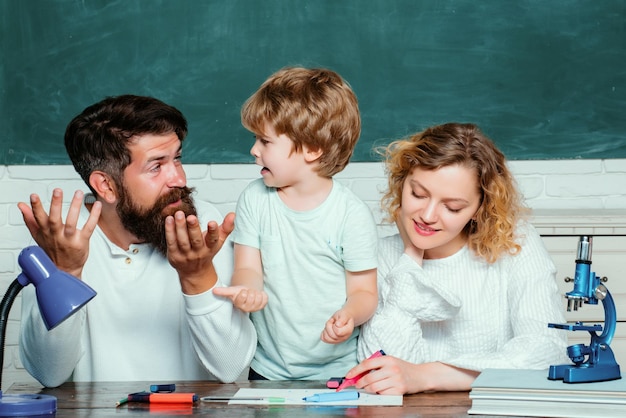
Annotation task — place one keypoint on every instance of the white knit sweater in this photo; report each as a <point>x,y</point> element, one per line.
<point>462,311</point>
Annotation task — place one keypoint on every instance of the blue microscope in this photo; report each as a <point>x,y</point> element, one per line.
<point>595,362</point>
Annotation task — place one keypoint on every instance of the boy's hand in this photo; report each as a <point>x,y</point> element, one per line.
<point>243,298</point>
<point>338,328</point>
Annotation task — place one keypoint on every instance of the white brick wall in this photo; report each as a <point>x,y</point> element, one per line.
<point>547,185</point>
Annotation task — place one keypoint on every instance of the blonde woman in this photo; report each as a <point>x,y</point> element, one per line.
<point>467,283</point>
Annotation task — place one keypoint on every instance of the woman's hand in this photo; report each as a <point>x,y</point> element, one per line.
<point>390,375</point>
<point>387,375</point>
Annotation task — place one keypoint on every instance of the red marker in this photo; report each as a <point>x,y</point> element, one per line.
<point>163,397</point>
<point>349,382</point>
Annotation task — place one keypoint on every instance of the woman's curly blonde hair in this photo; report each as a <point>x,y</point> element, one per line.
<point>492,231</point>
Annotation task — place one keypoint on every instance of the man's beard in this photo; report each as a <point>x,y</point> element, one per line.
<point>148,225</point>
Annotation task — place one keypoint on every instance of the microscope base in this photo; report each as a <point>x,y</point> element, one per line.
<point>584,373</point>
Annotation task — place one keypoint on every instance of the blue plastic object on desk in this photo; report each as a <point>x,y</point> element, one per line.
<point>346,395</point>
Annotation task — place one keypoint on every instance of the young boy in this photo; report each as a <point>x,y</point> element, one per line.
<point>305,245</point>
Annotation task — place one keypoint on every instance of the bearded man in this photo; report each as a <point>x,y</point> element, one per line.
<point>137,240</point>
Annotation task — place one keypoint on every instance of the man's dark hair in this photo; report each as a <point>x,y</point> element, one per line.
<point>98,138</point>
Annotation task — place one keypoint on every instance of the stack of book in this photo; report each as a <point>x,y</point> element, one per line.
<point>530,393</point>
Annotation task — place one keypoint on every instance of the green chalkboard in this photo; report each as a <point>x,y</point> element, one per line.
<point>546,79</point>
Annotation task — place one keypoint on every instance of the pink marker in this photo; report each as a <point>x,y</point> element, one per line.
<point>349,382</point>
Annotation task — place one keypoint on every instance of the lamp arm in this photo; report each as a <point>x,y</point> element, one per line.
<point>5,307</point>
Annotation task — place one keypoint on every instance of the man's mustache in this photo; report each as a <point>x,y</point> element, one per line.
<point>174,196</point>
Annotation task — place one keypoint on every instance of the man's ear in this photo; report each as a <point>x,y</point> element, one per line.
<point>104,186</point>
<point>312,155</point>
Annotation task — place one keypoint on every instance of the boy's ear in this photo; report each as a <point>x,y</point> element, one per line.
<point>104,186</point>
<point>312,155</point>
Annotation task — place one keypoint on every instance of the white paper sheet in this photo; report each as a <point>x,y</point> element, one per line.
<point>294,397</point>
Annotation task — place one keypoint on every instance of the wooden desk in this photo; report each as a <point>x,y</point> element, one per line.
<point>98,400</point>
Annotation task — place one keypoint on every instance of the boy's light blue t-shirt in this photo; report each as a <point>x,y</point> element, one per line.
<point>305,256</point>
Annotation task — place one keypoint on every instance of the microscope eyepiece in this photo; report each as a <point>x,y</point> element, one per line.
<point>583,254</point>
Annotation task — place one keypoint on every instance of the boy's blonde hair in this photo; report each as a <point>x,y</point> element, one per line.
<point>315,108</point>
<point>492,232</point>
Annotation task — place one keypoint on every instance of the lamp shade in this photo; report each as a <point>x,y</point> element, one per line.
<point>59,294</point>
